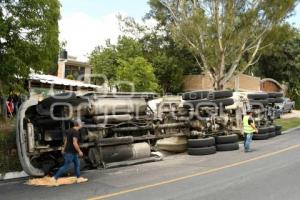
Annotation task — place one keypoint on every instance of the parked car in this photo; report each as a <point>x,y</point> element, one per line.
<point>286,106</point>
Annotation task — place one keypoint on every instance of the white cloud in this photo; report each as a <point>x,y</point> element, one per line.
<point>83,32</point>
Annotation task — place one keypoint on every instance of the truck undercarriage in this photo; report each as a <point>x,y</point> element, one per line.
<point>121,127</point>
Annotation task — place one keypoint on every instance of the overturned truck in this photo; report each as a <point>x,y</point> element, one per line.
<point>126,128</point>
<point>118,127</point>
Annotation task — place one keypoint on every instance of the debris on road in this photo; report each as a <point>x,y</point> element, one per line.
<point>46,181</point>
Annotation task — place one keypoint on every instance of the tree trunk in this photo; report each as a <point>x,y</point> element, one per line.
<point>217,84</point>
<point>3,110</point>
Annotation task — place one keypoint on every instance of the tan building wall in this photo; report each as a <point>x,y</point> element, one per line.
<point>270,85</point>
<point>239,83</point>
<point>72,62</point>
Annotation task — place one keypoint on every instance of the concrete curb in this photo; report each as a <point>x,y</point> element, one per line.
<point>290,130</point>
<point>13,175</point>
<point>22,174</point>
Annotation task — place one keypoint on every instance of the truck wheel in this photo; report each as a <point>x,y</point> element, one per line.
<point>228,147</point>
<point>263,130</point>
<point>220,94</point>
<point>202,150</point>
<point>278,132</point>
<point>275,94</point>
<point>195,95</point>
<point>263,136</point>
<point>226,139</point>
<point>224,102</point>
<point>278,100</point>
<point>193,104</point>
<point>258,102</point>
<point>278,128</point>
<point>271,128</point>
<point>258,96</point>
<point>201,142</point>
<point>271,100</point>
<point>272,134</point>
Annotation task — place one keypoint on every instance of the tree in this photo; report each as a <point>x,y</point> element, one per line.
<point>282,63</point>
<point>169,60</point>
<point>225,35</point>
<point>28,39</point>
<point>139,73</point>
<point>105,60</point>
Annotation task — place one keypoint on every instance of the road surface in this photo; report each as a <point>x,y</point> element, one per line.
<point>271,171</point>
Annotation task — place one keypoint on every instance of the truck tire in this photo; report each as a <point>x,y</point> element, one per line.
<point>278,133</point>
<point>258,96</point>
<point>258,102</point>
<point>271,100</point>
<point>278,100</point>
<point>271,129</point>
<point>202,151</point>
<point>228,147</point>
<point>263,130</point>
<point>201,142</point>
<point>220,94</point>
<point>275,94</point>
<point>195,95</point>
<point>226,139</point>
<point>263,136</point>
<point>278,128</point>
<point>272,134</point>
<point>193,104</point>
<point>224,102</point>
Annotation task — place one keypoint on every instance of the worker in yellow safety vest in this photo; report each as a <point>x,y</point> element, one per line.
<point>249,130</point>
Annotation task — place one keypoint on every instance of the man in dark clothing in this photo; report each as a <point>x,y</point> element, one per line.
<point>70,151</point>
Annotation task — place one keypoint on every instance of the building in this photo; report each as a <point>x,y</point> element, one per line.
<point>242,82</point>
<point>71,68</point>
<point>41,86</point>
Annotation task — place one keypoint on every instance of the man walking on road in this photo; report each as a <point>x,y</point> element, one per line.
<point>249,130</point>
<point>70,151</point>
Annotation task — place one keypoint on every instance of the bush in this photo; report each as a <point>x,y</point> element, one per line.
<point>9,160</point>
<point>297,103</point>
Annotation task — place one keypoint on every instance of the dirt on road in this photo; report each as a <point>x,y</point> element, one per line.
<point>293,114</point>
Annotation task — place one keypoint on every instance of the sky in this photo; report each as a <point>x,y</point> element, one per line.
<point>86,24</point>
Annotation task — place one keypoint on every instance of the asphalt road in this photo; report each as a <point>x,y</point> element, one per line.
<point>271,171</point>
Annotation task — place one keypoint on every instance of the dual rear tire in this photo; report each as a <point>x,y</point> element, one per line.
<point>201,146</point>
<point>265,133</point>
<point>211,145</point>
<point>227,142</point>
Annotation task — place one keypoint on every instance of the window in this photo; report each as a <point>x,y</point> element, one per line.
<point>74,72</point>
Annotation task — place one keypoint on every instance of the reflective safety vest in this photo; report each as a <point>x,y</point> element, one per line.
<point>247,127</point>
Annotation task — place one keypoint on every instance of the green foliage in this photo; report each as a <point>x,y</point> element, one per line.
<point>282,61</point>
<point>139,73</point>
<point>124,62</point>
<point>170,60</point>
<point>297,103</point>
<point>70,77</point>
<point>8,150</point>
<point>225,35</point>
<point>105,59</point>
<point>28,39</point>
<point>288,123</point>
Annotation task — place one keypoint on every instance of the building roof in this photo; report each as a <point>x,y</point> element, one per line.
<point>273,81</point>
<point>49,79</point>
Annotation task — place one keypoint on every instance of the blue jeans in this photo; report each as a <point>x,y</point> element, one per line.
<point>247,141</point>
<point>69,158</point>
